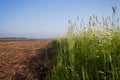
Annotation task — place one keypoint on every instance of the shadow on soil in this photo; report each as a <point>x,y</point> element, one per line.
<point>38,66</point>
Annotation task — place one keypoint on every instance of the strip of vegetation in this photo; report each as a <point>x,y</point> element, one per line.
<point>13,38</point>
<point>90,51</point>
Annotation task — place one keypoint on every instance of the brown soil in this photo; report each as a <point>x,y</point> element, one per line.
<point>25,59</point>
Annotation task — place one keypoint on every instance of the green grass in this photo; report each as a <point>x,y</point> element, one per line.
<point>90,51</point>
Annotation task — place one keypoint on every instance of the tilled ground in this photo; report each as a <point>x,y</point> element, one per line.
<point>25,59</point>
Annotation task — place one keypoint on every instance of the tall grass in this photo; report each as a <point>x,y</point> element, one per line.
<point>89,51</point>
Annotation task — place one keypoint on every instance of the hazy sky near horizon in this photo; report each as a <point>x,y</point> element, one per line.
<point>47,18</point>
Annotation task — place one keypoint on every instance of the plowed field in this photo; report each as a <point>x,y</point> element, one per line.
<point>25,59</point>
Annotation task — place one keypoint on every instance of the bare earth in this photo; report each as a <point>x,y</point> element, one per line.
<point>25,59</point>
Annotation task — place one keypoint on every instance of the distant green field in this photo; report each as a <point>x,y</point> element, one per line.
<point>13,38</point>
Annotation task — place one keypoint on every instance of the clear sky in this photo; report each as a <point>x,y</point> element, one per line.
<point>47,18</point>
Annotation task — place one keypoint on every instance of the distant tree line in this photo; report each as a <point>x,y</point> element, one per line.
<point>13,38</point>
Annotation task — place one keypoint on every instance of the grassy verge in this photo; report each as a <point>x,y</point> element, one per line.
<point>88,52</point>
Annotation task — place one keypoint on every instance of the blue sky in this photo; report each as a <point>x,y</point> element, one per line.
<point>47,18</point>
